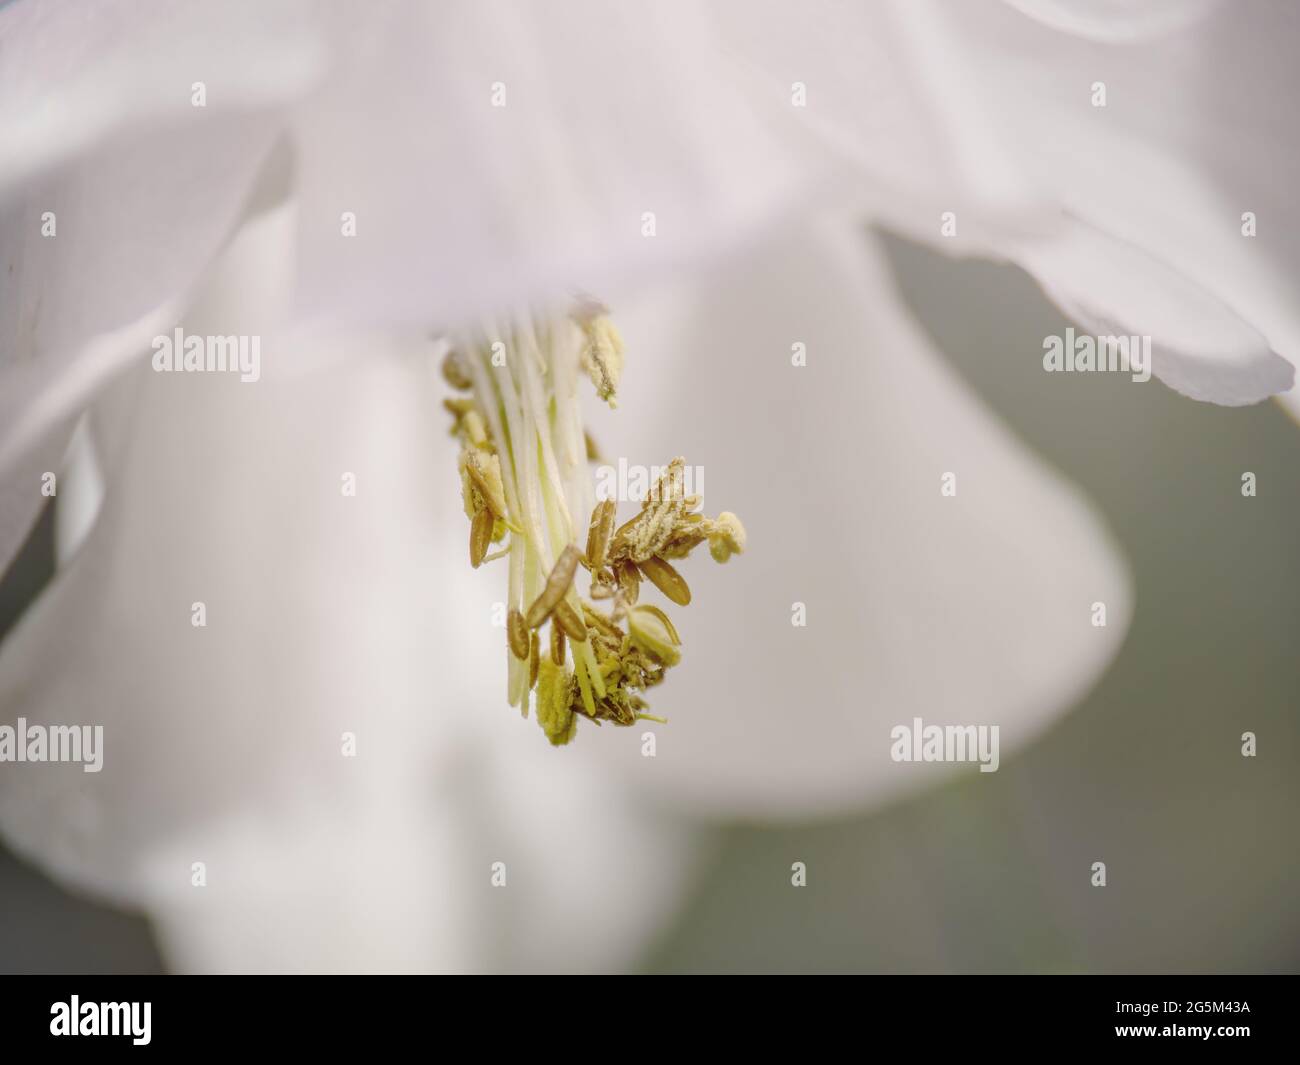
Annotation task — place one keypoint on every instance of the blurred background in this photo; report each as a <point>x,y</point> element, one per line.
<point>991,874</point>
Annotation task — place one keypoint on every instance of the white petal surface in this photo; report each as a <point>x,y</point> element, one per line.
<point>73,77</point>
<point>1200,347</point>
<point>610,111</point>
<point>116,192</point>
<point>613,113</point>
<point>1132,212</point>
<point>1115,20</point>
<point>326,614</point>
<point>973,609</point>
<point>1153,185</point>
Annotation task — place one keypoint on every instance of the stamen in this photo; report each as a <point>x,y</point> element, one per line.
<point>517,634</point>
<point>480,535</point>
<point>666,579</point>
<point>524,478</point>
<point>557,586</point>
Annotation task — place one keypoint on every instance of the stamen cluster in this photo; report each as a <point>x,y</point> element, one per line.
<point>523,475</point>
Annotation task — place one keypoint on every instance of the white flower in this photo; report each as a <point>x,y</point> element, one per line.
<point>329,614</point>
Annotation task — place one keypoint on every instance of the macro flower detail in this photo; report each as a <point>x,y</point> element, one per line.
<point>523,475</point>
<point>602,349</point>
<point>325,742</point>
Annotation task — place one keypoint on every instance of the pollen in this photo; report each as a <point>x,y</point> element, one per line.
<point>526,483</point>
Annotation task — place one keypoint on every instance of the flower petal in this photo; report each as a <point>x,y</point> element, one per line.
<point>1200,347</point>
<point>1154,185</point>
<point>971,609</point>
<point>406,879</point>
<point>495,153</point>
<point>327,615</point>
<point>1115,21</point>
<point>116,192</point>
<point>1134,213</point>
<point>73,79</point>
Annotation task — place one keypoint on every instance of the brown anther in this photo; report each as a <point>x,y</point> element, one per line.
<point>488,488</point>
<point>599,621</point>
<point>599,532</point>
<point>666,579</point>
<point>629,581</point>
<point>454,373</point>
<point>557,586</point>
<point>480,535</point>
<point>557,644</point>
<point>570,621</point>
<point>517,634</point>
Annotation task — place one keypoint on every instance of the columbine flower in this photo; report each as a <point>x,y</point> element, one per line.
<point>330,615</point>
<point>523,464</point>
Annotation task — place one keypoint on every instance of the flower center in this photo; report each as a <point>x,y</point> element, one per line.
<point>525,481</point>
